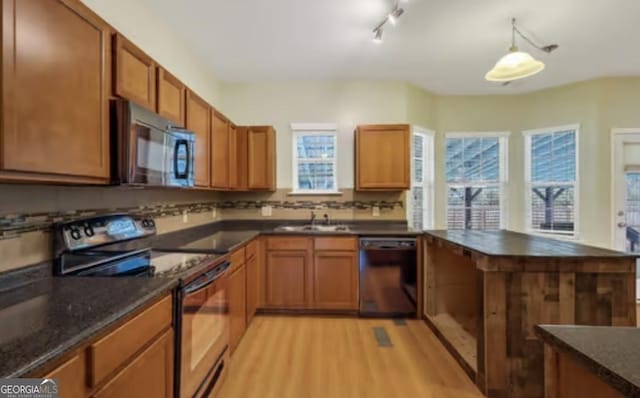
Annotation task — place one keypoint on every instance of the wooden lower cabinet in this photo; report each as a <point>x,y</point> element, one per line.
<point>236,290</point>
<point>71,377</point>
<point>335,280</point>
<point>286,279</point>
<point>253,287</point>
<point>295,276</point>
<point>148,375</point>
<point>135,359</point>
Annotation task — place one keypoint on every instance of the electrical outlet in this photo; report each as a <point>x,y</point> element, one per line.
<point>267,211</point>
<point>185,216</point>
<point>214,213</point>
<point>375,211</point>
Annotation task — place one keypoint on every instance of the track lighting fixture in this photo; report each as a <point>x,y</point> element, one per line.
<point>392,18</point>
<point>517,64</point>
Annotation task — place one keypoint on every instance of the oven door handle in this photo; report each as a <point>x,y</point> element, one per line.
<point>207,279</point>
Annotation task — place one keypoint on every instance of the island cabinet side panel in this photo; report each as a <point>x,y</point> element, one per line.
<point>510,356</point>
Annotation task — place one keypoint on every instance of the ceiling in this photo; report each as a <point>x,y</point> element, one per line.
<point>445,46</point>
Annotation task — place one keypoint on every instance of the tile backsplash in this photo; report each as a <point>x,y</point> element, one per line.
<point>27,212</point>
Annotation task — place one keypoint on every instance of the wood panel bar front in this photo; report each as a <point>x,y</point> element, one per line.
<point>483,301</point>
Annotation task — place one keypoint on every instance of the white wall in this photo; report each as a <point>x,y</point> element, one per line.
<point>139,24</point>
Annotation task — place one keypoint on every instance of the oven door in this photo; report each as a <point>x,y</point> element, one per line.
<point>205,332</point>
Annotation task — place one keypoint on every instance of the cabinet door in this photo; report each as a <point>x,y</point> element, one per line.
<point>261,158</point>
<point>241,158</point>
<point>252,287</point>
<point>236,288</point>
<point>135,73</point>
<point>149,375</point>
<point>55,85</point>
<point>233,157</point>
<point>219,151</point>
<point>199,121</point>
<point>171,97</point>
<point>383,156</point>
<point>71,377</point>
<point>286,279</point>
<point>335,280</point>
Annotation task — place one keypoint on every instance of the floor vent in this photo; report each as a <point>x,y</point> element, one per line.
<point>400,322</point>
<point>382,337</point>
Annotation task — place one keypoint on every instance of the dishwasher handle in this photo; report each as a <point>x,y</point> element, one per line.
<point>387,244</point>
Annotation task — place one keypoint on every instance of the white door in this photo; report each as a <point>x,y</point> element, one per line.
<point>626,194</point>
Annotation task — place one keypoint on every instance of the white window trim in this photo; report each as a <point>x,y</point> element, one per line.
<point>503,171</point>
<point>299,129</point>
<point>429,177</point>
<point>575,235</point>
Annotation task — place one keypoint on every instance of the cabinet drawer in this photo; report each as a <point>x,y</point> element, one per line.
<point>288,243</point>
<point>71,377</point>
<point>335,243</point>
<point>251,249</point>
<point>113,350</point>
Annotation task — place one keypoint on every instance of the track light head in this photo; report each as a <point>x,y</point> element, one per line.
<point>378,37</point>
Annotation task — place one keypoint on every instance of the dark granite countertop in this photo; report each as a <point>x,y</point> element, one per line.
<point>45,319</point>
<point>516,244</point>
<point>611,353</point>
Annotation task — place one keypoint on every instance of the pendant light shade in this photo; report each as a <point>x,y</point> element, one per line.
<point>518,64</point>
<point>513,66</point>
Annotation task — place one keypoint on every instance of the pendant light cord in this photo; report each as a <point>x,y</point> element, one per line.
<point>513,38</point>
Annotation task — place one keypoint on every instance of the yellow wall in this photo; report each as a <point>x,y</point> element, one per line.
<point>598,106</point>
<point>344,103</point>
<point>140,25</point>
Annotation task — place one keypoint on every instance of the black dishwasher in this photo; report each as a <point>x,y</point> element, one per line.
<point>388,277</point>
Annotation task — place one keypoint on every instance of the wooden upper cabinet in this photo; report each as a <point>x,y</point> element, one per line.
<point>199,121</point>
<point>55,88</point>
<point>171,97</point>
<point>233,157</point>
<point>134,73</point>
<point>241,162</point>
<point>383,157</point>
<point>261,158</point>
<point>219,151</point>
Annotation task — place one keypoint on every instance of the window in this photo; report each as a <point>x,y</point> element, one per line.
<point>476,178</point>
<point>314,159</point>
<point>551,178</point>
<point>420,199</point>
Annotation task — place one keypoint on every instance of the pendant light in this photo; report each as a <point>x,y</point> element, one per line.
<point>517,64</point>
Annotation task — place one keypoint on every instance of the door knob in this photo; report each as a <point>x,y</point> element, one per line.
<point>622,224</point>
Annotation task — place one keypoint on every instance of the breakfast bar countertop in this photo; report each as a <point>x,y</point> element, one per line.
<point>505,243</point>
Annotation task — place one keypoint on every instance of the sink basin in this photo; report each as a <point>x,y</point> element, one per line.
<point>314,228</point>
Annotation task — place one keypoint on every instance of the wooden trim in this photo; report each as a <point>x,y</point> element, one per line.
<point>21,177</point>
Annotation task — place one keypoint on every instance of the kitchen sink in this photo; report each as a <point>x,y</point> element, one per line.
<point>314,228</point>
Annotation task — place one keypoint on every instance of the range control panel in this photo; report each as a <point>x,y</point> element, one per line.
<point>87,233</point>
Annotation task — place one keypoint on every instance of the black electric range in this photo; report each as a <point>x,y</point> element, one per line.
<point>119,245</point>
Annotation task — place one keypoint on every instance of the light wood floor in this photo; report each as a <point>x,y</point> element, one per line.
<point>308,357</point>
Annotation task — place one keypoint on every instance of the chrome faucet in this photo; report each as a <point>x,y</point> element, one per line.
<point>313,218</point>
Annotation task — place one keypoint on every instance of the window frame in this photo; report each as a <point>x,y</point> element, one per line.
<point>503,171</point>
<point>428,182</point>
<point>528,183</point>
<point>313,129</point>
